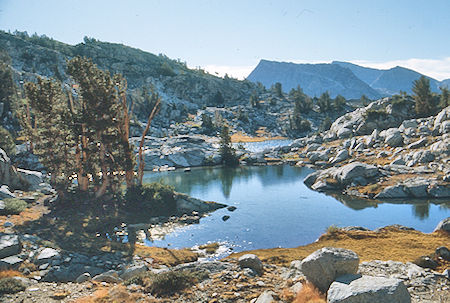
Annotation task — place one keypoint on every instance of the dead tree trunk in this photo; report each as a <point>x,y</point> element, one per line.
<point>141,145</point>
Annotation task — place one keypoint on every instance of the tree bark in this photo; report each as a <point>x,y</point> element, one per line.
<point>141,145</point>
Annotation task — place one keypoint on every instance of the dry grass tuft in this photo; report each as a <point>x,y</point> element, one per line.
<point>117,294</point>
<point>170,257</point>
<point>210,248</point>
<point>239,137</point>
<point>309,294</point>
<point>9,273</point>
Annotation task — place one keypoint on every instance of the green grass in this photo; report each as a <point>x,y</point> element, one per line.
<point>13,206</point>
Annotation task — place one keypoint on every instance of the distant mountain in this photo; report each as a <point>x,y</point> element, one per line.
<point>445,83</point>
<point>388,81</point>
<point>368,75</point>
<point>314,79</point>
<point>344,78</point>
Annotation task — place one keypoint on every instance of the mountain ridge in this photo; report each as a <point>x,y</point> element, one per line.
<point>316,78</point>
<point>312,78</point>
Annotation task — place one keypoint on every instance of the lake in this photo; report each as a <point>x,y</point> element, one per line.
<point>275,209</point>
<point>256,147</point>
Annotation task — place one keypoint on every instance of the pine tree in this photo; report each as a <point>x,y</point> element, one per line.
<point>445,97</point>
<point>302,102</point>
<point>339,103</point>
<point>86,136</point>
<point>103,121</point>
<point>277,89</point>
<point>324,102</point>
<point>424,99</point>
<point>52,134</point>
<point>226,150</point>
<point>7,87</point>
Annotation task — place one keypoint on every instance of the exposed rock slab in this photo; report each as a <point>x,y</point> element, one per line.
<point>363,289</point>
<point>9,245</point>
<point>323,266</point>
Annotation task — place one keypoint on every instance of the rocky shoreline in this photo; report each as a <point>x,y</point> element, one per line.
<point>62,276</point>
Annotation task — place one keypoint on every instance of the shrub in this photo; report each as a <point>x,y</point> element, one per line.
<point>325,125</point>
<point>156,198</point>
<point>207,124</point>
<point>165,70</point>
<point>13,206</point>
<point>333,229</point>
<point>7,142</point>
<point>373,114</point>
<point>11,286</point>
<point>171,282</point>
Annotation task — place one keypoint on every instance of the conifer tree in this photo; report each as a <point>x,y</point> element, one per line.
<point>422,95</point>
<point>324,102</point>
<point>88,135</point>
<point>226,149</point>
<point>53,135</point>
<point>339,103</point>
<point>445,97</point>
<point>102,117</point>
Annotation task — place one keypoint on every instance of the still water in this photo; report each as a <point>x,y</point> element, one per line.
<point>256,147</point>
<point>275,209</point>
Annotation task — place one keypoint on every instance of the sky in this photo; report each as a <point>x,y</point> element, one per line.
<point>232,36</point>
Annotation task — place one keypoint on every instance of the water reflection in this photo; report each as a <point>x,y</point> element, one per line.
<point>212,176</point>
<point>275,208</point>
<point>421,211</point>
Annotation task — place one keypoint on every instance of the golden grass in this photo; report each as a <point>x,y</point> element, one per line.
<point>29,214</point>
<point>210,248</point>
<point>239,137</point>
<point>309,294</point>
<point>166,256</point>
<point>9,274</point>
<point>389,244</point>
<point>116,294</point>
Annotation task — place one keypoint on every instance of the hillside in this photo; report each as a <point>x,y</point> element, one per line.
<point>185,89</point>
<point>313,78</point>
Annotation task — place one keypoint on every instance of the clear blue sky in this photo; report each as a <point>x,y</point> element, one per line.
<point>235,35</point>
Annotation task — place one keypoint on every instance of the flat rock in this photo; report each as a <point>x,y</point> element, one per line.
<point>9,245</point>
<point>46,255</point>
<point>5,192</point>
<point>392,192</point>
<point>323,266</point>
<point>83,277</point>
<point>347,173</point>
<point>363,289</point>
<point>10,262</point>
<point>133,271</point>
<point>265,297</point>
<point>108,277</point>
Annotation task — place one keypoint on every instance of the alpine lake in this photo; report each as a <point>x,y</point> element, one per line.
<point>274,208</point>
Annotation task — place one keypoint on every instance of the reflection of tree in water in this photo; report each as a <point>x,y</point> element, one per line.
<point>422,210</point>
<point>226,178</point>
<point>279,170</point>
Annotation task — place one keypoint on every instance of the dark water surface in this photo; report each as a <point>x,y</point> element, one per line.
<point>275,208</point>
